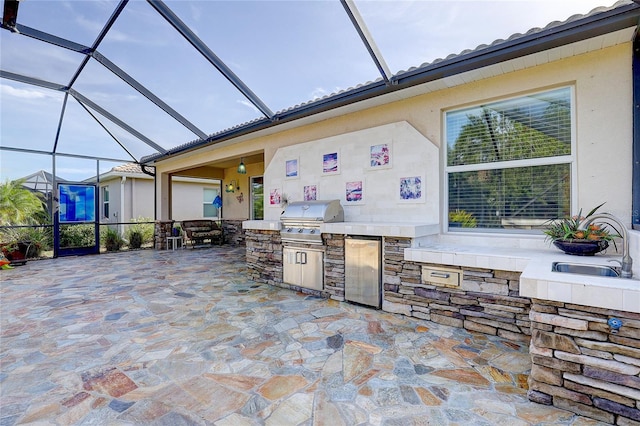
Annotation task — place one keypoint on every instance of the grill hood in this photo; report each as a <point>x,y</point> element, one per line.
<point>313,211</point>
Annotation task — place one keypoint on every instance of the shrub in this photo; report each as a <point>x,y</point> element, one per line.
<point>113,241</point>
<point>145,230</point>
<point>135,239</point>
<point>77,235</point>
<point>40,238</point>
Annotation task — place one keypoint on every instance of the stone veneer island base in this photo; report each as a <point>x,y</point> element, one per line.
<point>581,365</point>
<point>578,362</point>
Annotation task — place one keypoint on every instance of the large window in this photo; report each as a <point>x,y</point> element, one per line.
<point>509,162</point>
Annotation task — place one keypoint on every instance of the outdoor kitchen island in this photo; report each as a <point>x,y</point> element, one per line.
<point>579,362</point>
<point>264,250</point>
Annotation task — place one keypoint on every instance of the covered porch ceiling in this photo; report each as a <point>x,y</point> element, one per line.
<point>216,169</point>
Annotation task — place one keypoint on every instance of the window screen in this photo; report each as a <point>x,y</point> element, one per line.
<point>509,162</point>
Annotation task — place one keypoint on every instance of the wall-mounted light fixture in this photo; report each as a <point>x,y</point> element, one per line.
<point>241,167</point>
<point>232,186</point>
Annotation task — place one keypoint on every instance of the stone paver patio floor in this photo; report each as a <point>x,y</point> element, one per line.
<point>183,338</point>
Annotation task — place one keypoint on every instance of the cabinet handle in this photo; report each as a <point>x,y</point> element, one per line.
<point>440,275</point>
<point>303,258</point>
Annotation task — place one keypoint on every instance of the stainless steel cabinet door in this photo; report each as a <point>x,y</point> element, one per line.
<point>303,267</point>
<point>291,270</point>
<point>362,271</point>
<point>312,269</point>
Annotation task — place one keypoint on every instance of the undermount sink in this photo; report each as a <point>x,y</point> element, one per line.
<point>577,268</point>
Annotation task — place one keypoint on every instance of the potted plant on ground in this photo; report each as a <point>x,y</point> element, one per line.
<point>566,235</point>
<point>20,244</point>
<point>14,251</point>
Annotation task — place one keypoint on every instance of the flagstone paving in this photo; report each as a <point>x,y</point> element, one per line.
<point>183,338</point>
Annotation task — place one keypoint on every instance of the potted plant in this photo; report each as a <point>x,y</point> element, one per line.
<point>567,236</point>
<point>462,219</point>
<point>20,244</point>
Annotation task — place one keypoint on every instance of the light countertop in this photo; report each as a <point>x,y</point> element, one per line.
<point>387,229</point>
<point>534,262</point>
<point>538,280</point>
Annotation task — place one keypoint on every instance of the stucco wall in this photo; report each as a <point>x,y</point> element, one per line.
<point>114,201</point>
<point>411,155</point>
<point>237,204</point>
<point>602,81</point>
<point>188,199</point>
<point>139,200</point>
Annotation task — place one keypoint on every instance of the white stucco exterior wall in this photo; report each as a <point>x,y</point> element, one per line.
<point>188,199</point>
<point>603,130</point>
<point>411,155</point>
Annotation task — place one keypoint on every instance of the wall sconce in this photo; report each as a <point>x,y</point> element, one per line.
<point>232,186</point>
<point>241,167</point>
<point>240,197</point>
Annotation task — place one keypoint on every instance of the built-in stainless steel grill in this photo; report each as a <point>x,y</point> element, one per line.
<point>301,220</point>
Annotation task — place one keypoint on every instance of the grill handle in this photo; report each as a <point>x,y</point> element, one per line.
<point>301,257</point>
<point>440,274</point>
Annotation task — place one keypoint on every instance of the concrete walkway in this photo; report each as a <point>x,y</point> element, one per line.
<point>183,338</point>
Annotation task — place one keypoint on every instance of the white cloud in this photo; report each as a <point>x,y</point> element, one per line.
<point>318,92</point>
<point>196,12</point>
<point>76,173</point>
<point>30,93</point>
<point>249,105</point>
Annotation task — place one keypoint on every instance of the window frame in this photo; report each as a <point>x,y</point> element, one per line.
<point>105,202</point>
<point>569,159</point>
<point>206,203</point>
<point>254,197</point>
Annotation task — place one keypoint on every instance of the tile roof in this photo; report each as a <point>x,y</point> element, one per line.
<point>127,168</point>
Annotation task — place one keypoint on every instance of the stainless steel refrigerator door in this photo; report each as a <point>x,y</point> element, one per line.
<point>362,271</point>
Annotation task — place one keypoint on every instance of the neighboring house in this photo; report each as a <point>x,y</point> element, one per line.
<point>127,193</point>
<point>42,182</point>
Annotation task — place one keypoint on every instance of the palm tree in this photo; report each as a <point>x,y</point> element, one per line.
<point>19,206</point>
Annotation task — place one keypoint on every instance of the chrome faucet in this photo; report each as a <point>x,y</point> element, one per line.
<point>626,262</point>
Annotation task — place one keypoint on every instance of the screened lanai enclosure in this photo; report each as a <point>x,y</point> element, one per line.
<point>87,86</point>
<point>142,78</point>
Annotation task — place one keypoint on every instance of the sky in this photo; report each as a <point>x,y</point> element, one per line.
<point>287,52</point>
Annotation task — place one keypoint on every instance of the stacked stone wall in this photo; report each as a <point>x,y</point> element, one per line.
<point>162,230</point>
<point>334,266</point>
<point>233,233</point>
<point>486,301</point>
<point>264,256</point>
<point>582,365</point>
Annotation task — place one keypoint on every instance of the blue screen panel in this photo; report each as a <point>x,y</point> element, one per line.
<point>77,203</point>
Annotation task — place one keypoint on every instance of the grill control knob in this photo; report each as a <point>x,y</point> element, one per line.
<point>313,231</point>
<point>289,229</point>
<point>300,230</point>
